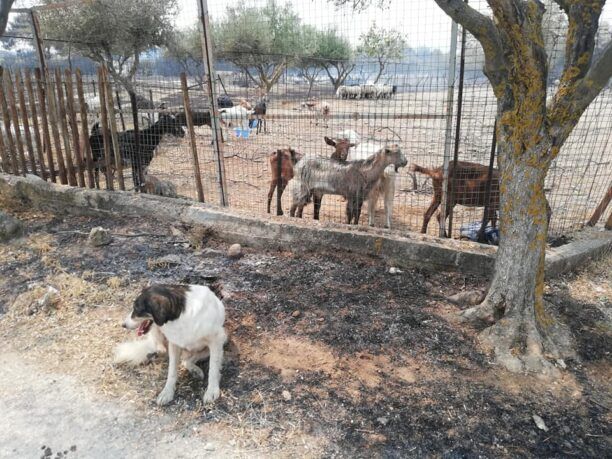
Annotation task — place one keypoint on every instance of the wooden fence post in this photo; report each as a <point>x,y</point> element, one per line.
<point>45,123</point>
<point>9,88</point>
<point>192,139</point>
<point>26,122</point>
<point>74,128</point>
<point>53,120</point>
<point>6,164</point>
<point>110,107</point>
<point>61,105</point>
<point>35,125</point>
<point>105,135</point>
<point>6,117</point>
<point>84,129</point>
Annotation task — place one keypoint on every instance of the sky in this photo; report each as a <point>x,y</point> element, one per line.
<point>421,21</point>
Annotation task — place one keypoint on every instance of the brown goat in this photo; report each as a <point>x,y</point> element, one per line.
<point>341,148</point>
<point>469,189</point>
<point>281,167</point>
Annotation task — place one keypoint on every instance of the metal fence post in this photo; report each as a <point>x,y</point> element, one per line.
<point>207,52</point>
<point>448,140</point>
<point>451,191</point>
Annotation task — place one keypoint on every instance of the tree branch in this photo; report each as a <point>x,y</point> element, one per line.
<point>569,104</point>
<point>485,31</point>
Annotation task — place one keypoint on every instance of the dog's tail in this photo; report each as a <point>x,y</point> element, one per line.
<point>134,352</point>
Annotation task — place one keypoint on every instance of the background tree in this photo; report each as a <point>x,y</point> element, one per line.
<point>308,62</point>
<point>186,47</point>
<point>259,41</point>
<point>531,132</point>
<point>382,45</point>
<point>336,56</point>
<point>5,7</point>
<point>112,32</point>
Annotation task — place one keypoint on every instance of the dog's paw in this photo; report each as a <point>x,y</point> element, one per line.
<point>195,371</point>
<point>211,394</point>
<point>165,396</point>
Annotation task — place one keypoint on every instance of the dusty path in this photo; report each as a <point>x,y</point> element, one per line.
<point>55,411</point>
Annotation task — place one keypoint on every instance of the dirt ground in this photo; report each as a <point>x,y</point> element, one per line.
<point>329,356</point>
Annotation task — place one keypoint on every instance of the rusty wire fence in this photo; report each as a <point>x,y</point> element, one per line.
<point>433,101</point>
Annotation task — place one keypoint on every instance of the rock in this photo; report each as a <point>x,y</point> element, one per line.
<point>561,363</point>
<point>469,298</point>
<point>9,227</point>
<point>209,447</point>
<point>296,314</point>
<point>286,395</point>
<point>539,422</point>
<point>170,259</point>
<point>394,270</point>
<point>235,251</point>
<point>99,236</point>
<point>48,301</point>
<point>48,452</point>
<point>382,421</point>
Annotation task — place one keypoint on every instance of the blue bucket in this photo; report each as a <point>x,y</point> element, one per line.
<point>244,133</point>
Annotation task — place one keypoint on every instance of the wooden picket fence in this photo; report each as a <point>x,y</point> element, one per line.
<point>45,129</point>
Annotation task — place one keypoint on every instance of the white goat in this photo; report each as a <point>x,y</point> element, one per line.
<point>386,184</point>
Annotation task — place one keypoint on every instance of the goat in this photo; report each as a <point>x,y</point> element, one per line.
<point>354,180</point>
<point>153,185</point>
<point>259,115</point>
<point>469,182</point>
<point>356,150</point>
<point>281,167</point>
<point>149,139</point>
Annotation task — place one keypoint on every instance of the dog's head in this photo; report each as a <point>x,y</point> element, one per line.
<point>156,304</point>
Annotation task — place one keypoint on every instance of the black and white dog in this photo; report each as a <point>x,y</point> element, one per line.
<point>179,319</point>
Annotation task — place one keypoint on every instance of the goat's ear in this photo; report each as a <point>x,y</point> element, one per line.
<point>352,145</point>
<point>329,141</point>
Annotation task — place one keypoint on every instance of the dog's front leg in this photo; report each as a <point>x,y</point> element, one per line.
<point>174,356</point>
<point>214,370</point>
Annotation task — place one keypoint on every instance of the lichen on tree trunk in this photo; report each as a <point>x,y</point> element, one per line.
<point>515,297</point>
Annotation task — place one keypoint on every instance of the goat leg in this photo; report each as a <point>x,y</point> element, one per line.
<point>429,212</point>
<point>271,193</point>
<point>279,194</point>
<point>317,198</point>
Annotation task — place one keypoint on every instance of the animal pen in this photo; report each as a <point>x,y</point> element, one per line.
<point>433,101</point>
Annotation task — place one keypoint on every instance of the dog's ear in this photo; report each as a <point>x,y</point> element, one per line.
<point>165,302</point>
<point>159,307</point>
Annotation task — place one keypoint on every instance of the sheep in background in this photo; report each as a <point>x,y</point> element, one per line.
<point>358,150</point>
<point>354,180</point>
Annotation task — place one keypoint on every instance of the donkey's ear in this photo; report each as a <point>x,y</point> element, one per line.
<point>329,141</point>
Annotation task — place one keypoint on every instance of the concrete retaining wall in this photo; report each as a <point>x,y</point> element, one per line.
<point>284,233</point>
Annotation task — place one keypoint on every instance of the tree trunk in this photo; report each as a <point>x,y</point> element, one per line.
<point>515,299</point>
<point>381,69</point>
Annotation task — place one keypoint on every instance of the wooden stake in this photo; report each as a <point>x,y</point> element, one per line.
<point>36,127</point>
<point>84,130</point>
<point>61,104</point>
<point>53,120</point>
<point>192,140</point>
<point>105,135</point>
<point>113,129</point>
<point>26,122</point>
<point>601,208</point>
<point>45,123</point>
<point>74,128</point>
<point>14,168</point>
<point>16,125</point>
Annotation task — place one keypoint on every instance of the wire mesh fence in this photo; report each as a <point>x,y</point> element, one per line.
<point>405,100</point>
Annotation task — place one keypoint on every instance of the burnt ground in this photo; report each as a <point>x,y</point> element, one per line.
<point>329,355</point>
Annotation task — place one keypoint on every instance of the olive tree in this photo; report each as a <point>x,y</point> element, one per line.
<point>113,33</point>
<point>259,41</point>
<point>336,55</point>
<point>5,8</point>
<point>186,47</point>
<point>382,45</point>
<point>531,132</point>
<point>308,62</point>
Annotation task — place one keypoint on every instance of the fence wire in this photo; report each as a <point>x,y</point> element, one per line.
<point>304,106</point>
